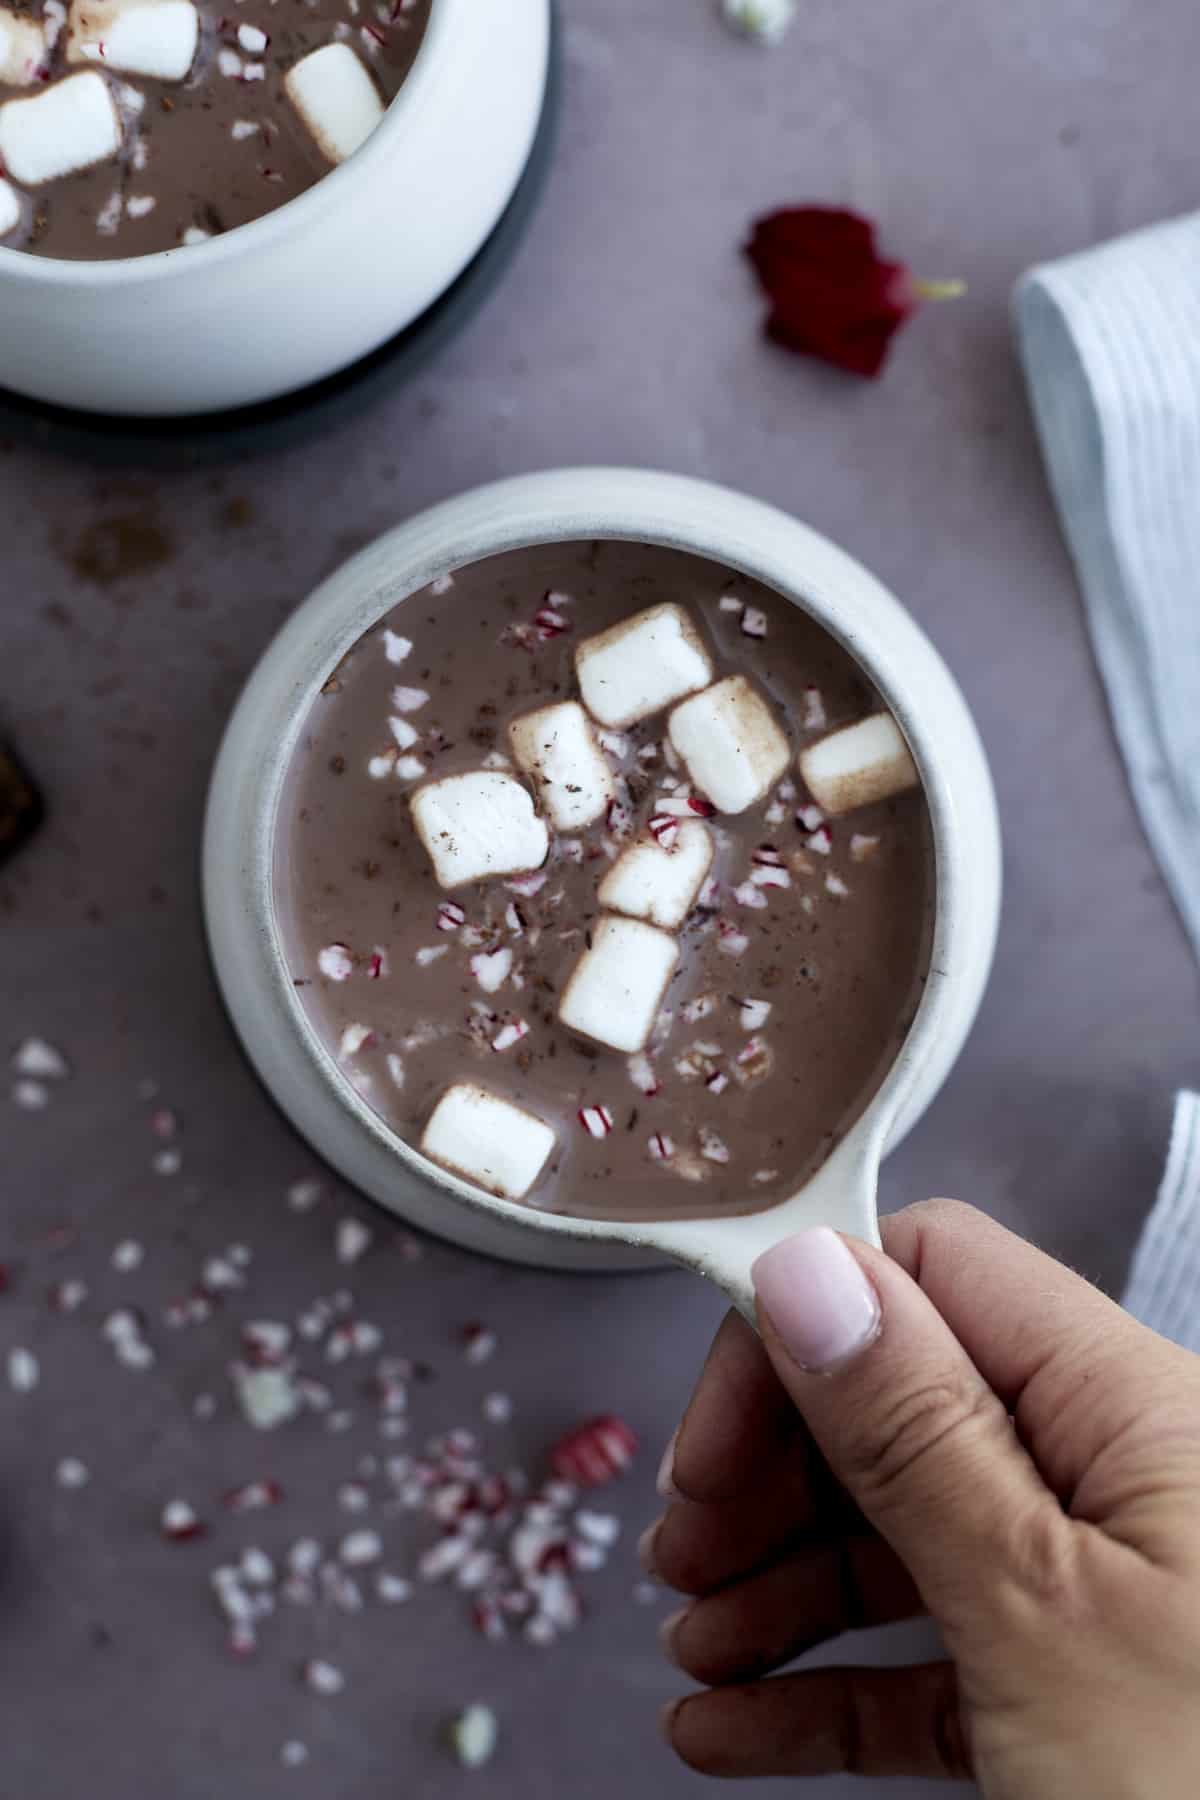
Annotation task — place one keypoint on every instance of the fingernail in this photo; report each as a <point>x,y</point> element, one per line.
<point>666,1470</point>
<point>819,1300</point>
<point>647,1545</point>
<point>666,1719</point>
<point>668,1631</point>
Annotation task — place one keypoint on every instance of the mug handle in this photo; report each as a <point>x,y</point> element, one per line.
<point>842,1194</point>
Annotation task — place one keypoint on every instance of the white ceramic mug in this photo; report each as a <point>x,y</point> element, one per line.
<point>305,291</point>
<point>570,505</point>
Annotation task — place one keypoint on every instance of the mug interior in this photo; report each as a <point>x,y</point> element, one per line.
<point>298,215</point>
<point>878,1105</point>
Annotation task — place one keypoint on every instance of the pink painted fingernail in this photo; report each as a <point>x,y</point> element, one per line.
<point>665,1482</point>
<point>818,1299</point>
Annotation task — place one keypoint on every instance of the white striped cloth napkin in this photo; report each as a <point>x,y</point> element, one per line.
<point>1110,341</point>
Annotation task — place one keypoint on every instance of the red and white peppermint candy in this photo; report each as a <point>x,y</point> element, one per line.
<point>595,1452</point>
<point>336,962</point>
<point>733,941</point>
<point>527,885</point>
<point>597,1121</point>
<point>660,1147</point>
<point>548,621</point>
<point>664,829</point>
<point>641,1073</point>
<point>510,1034</point>
<point>180,1521</point>
<point>449,916</point>
<point>252,1496</point>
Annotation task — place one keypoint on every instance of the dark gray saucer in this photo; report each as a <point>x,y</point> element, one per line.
<point>203,438</point>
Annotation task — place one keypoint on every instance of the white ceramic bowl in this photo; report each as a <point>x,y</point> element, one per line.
<point>307,290</point>
<point>574,504</point>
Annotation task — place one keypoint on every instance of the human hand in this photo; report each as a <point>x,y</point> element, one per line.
<point>962,1428</point>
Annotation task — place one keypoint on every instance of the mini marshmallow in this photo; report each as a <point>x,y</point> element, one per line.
<point>477,825</point>
<point>641,666</point>
<point>22,50</point>
<point>616,987</point>
<point>649,881</point>
<point>480,1135</point>
<point>336,99</point>
<point>557,749</point>
<point>157,38</point>
<point>730,743</point>
<point>67,127</point>
<point>10,208</point>
<point>858,765</point>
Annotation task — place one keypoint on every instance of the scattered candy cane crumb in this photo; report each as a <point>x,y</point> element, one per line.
<point>473,1736</point>
<point>24,1370</point>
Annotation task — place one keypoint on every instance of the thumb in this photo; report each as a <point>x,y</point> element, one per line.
<point>902,1416</point>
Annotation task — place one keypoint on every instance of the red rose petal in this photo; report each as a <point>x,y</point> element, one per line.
<point>832,295</point>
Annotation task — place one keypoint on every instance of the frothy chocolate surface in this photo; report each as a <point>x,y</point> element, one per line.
<point>748,1101</point>
<point>204,154</point>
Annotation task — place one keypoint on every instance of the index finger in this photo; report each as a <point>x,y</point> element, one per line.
<point>739,1416</point>
<point>740,1431</point>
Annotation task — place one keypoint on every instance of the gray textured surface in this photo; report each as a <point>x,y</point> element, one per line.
<point>985,138</point>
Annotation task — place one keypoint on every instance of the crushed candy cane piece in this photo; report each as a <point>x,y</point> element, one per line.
<point>813,718</point>
<point>712,1147</point>
<point>41,1060</point>
<point>731,941</point>
<point>180,1521</point>
<point>392,1590</point>
<point>510,1034</point>
<point>293,1753</point>
<point>252,1496</point>
<point>492,968</point>
<point>128,1256</point>
<point>754,622</point>
<point>358,1548</point>
<point>268,1396</point>
<point>30,1096</point>
<point>479,1344</point>
<point>71,1473</point>
<point>597,1121</point>
<point>660,1147</point>
<point>641,1073</point>
<point>322,1677</point>
<point>409,699</point>
<point>450,916</point>
<point>595,1452</point>
<point>24,1370</point>
<point>353,1239</point>
<point>753,1014</point>
<point>473,1736</point>
<point>335,962</point>
<point>396,648</point>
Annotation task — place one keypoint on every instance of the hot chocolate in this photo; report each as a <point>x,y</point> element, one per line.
<point>606,879</point>
<point>129,126</point>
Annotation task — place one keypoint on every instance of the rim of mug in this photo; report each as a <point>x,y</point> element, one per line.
<point>707,539</point>
<point>433,53</point>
